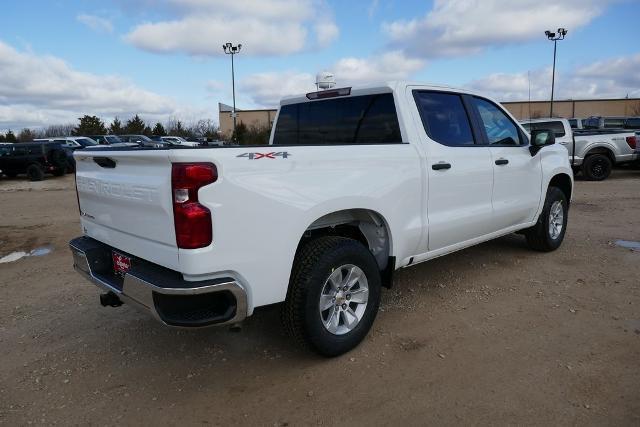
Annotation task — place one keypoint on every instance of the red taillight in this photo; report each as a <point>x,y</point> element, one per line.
<point>631,140</point>
<point>192,220</point>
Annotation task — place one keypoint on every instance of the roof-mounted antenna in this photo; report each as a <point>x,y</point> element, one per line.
<point>325,80</point>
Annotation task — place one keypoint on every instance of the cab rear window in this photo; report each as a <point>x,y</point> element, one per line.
<point>367,119</point>
<point>556,127</point>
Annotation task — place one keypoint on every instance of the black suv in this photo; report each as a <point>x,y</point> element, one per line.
<point>33,158</point>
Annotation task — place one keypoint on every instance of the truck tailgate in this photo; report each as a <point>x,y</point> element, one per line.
<point>125,202</point>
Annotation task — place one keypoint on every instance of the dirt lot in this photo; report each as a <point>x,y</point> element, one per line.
<point>494,334</point>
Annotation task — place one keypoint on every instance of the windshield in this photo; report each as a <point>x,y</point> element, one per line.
<point>86,142</point>
<point>113,139</point>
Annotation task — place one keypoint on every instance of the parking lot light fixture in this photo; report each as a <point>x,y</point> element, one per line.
<point>554,37</point>
<point>232,50</point>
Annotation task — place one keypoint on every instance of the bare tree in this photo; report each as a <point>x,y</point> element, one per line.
<point>204,128</point>
<point>55,130</point>
<point>26,135</point>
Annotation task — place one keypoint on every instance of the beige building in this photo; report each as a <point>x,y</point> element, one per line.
<point>580,108</point>
<point>257,118</point>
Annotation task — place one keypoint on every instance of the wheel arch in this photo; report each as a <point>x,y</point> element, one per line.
<point>602,149</point>
<point>564,183</point>
<point>365,225</point>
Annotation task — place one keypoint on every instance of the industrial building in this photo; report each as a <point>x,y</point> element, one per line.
<point>580,108</point>
<point>257,118</point>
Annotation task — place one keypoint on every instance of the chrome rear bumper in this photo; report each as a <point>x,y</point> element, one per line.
<point>163,292</point>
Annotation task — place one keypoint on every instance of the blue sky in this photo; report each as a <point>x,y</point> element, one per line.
<point>163,58</point>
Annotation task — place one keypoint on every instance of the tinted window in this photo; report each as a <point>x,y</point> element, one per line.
<point>112,139</point>
<point>613,123</point>
<point>555,126</point>
<point>85,142</point>
<point>632,123</point>
<point>497,125</point>
<point>369,119</point>
<point>444,117</point>
<point>573,123</point>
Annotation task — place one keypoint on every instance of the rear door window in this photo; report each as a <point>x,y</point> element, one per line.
<point>367,119</point>
<point>444,117</point>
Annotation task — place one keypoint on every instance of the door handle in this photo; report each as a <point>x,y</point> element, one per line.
<point>501,162</point>
<point>440,166</point>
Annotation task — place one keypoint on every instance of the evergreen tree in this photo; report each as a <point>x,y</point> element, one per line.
<point>10,137</point>
<point>147,131</point>
<point>135,126</point>
<point>176,128</point>
<point>90,125</point>
<point>116,127</point>
<point>2,138</point>
<point>240,134</point>
<point>158,130</point>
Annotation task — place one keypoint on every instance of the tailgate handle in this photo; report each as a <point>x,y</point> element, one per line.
<point>105,162</point>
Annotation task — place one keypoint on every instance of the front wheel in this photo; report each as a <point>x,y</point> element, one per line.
<point>548,233</point>
<point>333,297</point>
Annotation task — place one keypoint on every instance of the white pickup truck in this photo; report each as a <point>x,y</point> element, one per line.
<point>355,184</point>
<point>592,152</point>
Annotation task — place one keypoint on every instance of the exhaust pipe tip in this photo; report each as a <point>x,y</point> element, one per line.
<point>110,300</point>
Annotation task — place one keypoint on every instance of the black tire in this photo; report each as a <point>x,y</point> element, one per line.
<point>313,265</point>
<point>539,236</point>
<point>58,159</point>
<point>597,167</point>
<point>35,173</point>
<point>71,165</point>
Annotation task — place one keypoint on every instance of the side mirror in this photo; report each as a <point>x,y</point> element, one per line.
<point>541,138</point>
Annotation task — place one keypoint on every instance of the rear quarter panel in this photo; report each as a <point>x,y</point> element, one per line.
<point>262,207</point>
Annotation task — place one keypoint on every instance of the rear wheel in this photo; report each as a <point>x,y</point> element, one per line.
<point>333,297</point>
<point>35,173</point>
<point>548,233</point>
<point>597,167</point>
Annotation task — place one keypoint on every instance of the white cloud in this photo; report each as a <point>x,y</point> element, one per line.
<point>96,23</point>
<point>39,90</point>
<point>264,27</point>
<point>266,89</point>
<point>326,33</point>
<point>461,27</point>
<point>393,65</point>
<point>609,78</point>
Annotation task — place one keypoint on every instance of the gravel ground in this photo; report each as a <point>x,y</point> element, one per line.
<point>495,334</point>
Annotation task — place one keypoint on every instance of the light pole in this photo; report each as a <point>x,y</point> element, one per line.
<point>554,37</point>
<point>230,49</point>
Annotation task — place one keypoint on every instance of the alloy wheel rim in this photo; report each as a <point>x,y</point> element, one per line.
<point>343,299</point>
<point>598,168</point>
<point>556,219</point>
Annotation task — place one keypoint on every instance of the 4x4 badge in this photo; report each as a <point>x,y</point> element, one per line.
<point>272,155</point>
